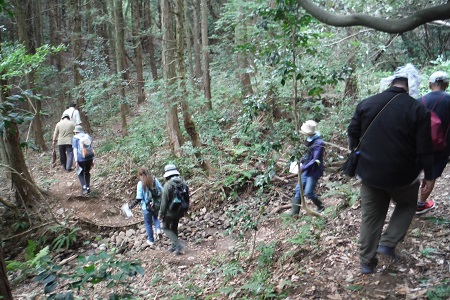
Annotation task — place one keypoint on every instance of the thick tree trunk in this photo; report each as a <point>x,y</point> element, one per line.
<point>138,51</point>
<point>119,61</point>
<point>205,50</point>
<point>169,57</point>
<point>77,59</point>
<point>5,288</point>
<point>148,40</point>
<point>187,118</point>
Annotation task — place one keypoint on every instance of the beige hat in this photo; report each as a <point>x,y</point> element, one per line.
<point>170,170</point>
<point>78,128</point>
<point>309,127</point>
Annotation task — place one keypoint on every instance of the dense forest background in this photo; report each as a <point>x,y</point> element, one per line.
<point>217,87</point>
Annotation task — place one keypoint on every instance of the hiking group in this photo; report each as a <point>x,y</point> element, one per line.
<point>396,136</point>
<point>162,206</point>
<point>75,147</point>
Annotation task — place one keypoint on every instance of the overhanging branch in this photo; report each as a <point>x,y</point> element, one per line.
<point>423,16</point>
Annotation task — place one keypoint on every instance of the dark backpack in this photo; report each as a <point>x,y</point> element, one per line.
<point>180,201</point>
<point>438,134</point>
<point>154,197</point>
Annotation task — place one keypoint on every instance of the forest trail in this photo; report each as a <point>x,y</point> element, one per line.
<point>329,270</point>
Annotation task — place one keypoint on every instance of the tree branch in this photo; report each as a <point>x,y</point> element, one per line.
<point>423,16</point>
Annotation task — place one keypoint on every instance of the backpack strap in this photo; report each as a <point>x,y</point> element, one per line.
<point>432,109</point>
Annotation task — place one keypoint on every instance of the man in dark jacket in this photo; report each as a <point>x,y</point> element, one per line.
<point>169,218</point>
<point>394,149</point>
<point>438,101</point>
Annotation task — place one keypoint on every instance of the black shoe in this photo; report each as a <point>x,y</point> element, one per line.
<point>366,269</point>
<point>320,209</point>
<point>88,190</point>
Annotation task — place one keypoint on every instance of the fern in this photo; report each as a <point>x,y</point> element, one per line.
<point>41,258</point>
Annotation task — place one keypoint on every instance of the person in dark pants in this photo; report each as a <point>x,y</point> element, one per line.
<point>63,137</point>
<point>438,101</point>
<point>395,147</point>
<point>82,162</point>
<point>168,218</point>
<point>311,167</point>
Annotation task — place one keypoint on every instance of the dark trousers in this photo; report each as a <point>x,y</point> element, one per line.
<point>170,228</point>
<point>374,206</point>
<point>66,156</point>
<point>85,176</point>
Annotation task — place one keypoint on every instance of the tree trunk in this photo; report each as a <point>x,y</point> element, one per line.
<point>77,59</point>
<point>169,75</point>
<point>55,40</point>
<point>148,40</point>
<point>205,49</point>
<point>241,30</point>
<point>196,39</point>
<point>119,61</point>
<point>138,51</point>
<point>24,15</point>
<point>5,288</point>
<point>188,31</point>
<point>187,118</point>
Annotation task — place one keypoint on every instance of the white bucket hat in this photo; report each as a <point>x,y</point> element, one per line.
<point>170,170</point>
<point>309,127</point>
<point>78,128</point>
<point>438,76</point>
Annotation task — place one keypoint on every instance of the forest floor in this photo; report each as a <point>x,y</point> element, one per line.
<point>220,263</point>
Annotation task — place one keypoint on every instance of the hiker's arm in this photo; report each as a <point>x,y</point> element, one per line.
<point>316,152</point>
<point>164,202</point>
<point>136,202</point>
<point>55,136</point>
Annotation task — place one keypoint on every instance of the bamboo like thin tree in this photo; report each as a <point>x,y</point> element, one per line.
<point>189,124</point>
<point>77,59</point>
<point>138,51</point>
<point>240,37</point>
<point>196,38</point>
<point>205,55</point>
<point>148,39</point>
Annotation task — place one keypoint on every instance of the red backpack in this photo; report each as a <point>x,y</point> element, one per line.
<point>438,137</point>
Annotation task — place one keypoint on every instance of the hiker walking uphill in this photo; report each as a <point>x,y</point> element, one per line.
<point>83,153</point>
<point>63,137</point>
<point>437,101</point>
<point>175,202</point>
<point>394,130</point>
<point>148,193</point>
<point>73,113</point>
<point>311,167</point>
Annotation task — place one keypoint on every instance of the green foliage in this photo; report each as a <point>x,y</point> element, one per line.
<point>34,260</point>
<point>92,270</point>
<point>307,234</point>
<point>19,226</point>
<point>428,252</point>
<point>63,240</point>
<point>439,292</point>
<point>241,219</point>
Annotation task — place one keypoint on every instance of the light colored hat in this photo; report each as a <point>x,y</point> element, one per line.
<point>170,170</point>
<point>438,76</point>
<point>407,71</point>
<point>78,128</point>
<point>309,127</point>
<point>65,115</point>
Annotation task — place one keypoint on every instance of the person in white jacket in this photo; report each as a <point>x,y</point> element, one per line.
<point>73,113</point>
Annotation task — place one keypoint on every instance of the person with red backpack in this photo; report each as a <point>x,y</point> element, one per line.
<point>438,102</point>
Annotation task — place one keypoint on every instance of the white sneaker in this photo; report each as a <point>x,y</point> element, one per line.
<point>158,231</point>
<point>149,243</point>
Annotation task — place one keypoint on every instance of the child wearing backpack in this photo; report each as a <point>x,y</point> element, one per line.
<point>174,204</point>
<point>83,153</point>
<point>148,193</point>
